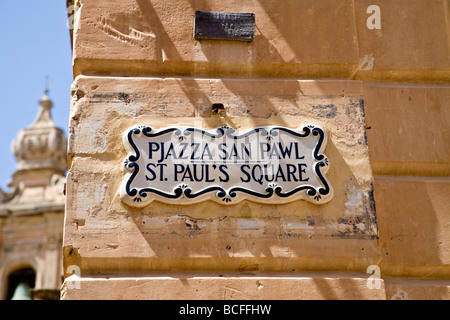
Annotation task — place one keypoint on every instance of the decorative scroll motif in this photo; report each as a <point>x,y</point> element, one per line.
<point>184,165</point>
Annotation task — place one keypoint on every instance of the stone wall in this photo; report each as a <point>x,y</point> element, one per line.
<point>376,80</point>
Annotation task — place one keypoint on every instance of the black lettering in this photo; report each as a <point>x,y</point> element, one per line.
<point>204,152</point>
<point>151,149</point>
<point>196,178</point>
<point>223,150</point>
<point>161,171</point>
<point>266,174</point>
<point>300,170</point>
<point>196,145</point>
<point>222,168</point>
<point>261,145</point>
<point>274,152</point>
<point>187,173</point>
<point>245,150</point>
<point>170,152</point>
<point>151,172</point>
<point>297,153</point>
<point>207,179</point>
<point>280,174</point>
<point>260,178</point>
<point>234,152</point>
<point>245,172</point>
<point>286,151</point>
<point>178,168</point>
<point>291,169</point>
<point>180,156</point>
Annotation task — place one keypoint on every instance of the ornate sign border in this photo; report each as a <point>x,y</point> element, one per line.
<point>139,197</point>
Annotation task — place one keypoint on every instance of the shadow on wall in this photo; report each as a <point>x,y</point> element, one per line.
<point>411,188</point>
<point>275,51</point>
<point>213,230</point>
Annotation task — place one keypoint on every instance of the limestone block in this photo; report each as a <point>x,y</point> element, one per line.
<point>104,234</point>
<point>409,129</point>
<point>413,217</point>
<point>411,40</point>
<point>135,37</point>
<point>416,289</point>
<point>250,286</point>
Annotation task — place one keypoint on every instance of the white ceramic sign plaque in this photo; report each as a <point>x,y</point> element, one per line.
<point>184,165</point>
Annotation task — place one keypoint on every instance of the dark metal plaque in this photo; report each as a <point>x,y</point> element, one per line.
<point>224,26</point>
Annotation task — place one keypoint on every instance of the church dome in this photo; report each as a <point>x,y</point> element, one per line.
<point>42,145</point>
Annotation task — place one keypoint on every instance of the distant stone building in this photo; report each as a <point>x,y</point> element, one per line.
<point>32,212</point>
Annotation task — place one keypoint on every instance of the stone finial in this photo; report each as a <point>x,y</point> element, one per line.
<point>44,118</point>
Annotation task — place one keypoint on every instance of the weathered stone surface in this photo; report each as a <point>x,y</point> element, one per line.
<point>292,39</point>
<point>209,236</point>
<point>251,286</point>
<point>413,217</point>
<point>136,37</point>
<point>411,44</point>
<point>180,78</point>
<point>416,289</point>
<point>409,129</point>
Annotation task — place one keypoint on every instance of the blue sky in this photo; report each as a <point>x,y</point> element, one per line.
<point>34,43</point>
